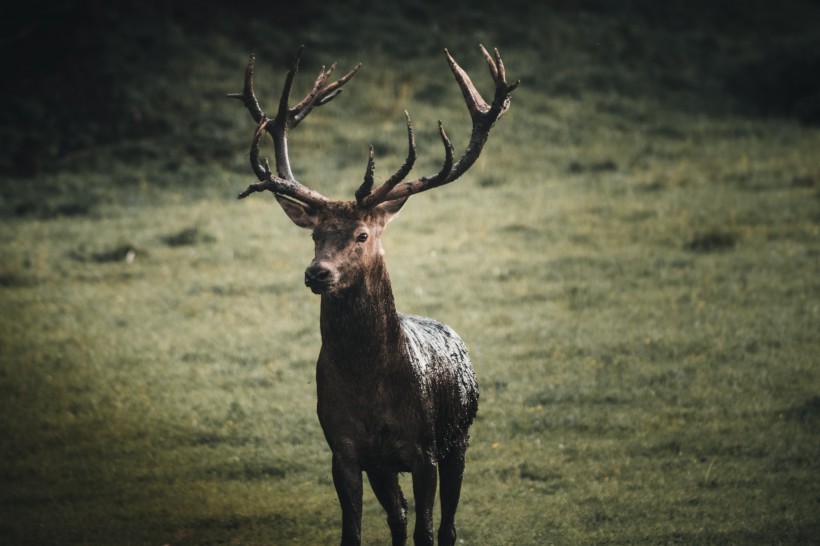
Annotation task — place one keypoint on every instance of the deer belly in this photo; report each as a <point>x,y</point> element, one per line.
<point>378,441</point>
<point>390,448</point>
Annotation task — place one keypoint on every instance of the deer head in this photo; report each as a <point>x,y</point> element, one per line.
<point>347,240</point>
<point>347,233</point>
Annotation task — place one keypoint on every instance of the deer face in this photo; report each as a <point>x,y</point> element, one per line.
<point>347,241</point>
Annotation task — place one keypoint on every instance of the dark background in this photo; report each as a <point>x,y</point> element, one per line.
<point>80,73</point>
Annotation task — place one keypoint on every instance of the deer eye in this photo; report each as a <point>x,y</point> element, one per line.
<point>361,237</point>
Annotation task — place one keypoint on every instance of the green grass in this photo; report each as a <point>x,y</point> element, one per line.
<point>634,264</point>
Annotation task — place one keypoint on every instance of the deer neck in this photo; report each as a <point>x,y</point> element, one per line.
<point>360,326</point>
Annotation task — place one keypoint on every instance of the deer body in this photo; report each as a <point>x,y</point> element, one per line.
<point>408,401</point>
<point>396,393</point>
<point>411,414</point>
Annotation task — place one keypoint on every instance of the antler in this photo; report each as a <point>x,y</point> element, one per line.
<point>483,116</point>
<point>284,183</point>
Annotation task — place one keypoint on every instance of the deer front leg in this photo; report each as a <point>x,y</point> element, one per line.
<point>424,493</point>
<point>347,478</point>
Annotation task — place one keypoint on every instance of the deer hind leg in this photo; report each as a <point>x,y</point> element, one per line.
<point>386,487</point>
<point>451,472</point>
<point>424,494</point>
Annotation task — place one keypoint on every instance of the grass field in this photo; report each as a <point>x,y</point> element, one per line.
<point>634,264</point>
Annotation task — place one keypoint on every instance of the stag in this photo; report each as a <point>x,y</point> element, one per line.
<point>396,393</point>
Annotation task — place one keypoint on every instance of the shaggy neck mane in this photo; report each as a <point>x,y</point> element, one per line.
<point>360,326</point>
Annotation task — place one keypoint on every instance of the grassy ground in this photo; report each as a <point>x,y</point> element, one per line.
<point>633,263</point>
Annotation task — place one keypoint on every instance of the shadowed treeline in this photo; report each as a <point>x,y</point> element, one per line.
<point>80,74</point>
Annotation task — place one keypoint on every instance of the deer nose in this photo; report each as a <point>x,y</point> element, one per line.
<point>317,276</point>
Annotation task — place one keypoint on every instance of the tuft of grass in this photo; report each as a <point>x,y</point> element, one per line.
<point>189,236</point>
<point>712,241</point>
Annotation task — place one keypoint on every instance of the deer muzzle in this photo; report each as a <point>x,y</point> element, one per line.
<point>319,278</point>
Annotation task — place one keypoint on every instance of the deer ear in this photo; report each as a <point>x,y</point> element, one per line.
<point>392,208</point>
<point>301,215</point>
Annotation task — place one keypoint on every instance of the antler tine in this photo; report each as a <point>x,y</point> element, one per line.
<point>278,126</point>
<point>262,172</point>
<point>303,108</point>
<point>247,95</point>
<point>483,117</point>
<point>367,185</point>
<point>331,91</point>
<point>283,111</point>
<point>492,64</point>
<point>475,103</point>
<point>321,94</point>
<point>441,177</point>
<point>364,197</point>
<point>284,183</point>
